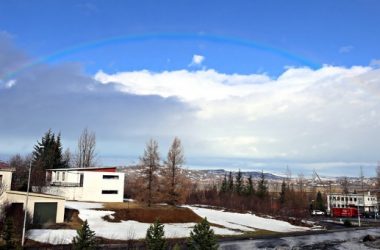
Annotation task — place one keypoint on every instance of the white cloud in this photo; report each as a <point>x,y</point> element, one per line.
<point>328,113</point>
<point>346,49</point>
<point>197,60</point>
<point>375,63</point>
<point>10,84</point>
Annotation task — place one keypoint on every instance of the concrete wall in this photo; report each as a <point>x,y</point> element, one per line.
<point>6,177</point>
<point>20,197</point>
<point>94,186</point>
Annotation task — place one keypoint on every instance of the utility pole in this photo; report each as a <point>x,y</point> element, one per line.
<point>26,207</point>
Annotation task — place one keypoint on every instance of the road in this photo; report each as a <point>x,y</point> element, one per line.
<point>348,239</point>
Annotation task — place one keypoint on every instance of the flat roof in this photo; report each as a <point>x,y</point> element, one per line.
<point>36,195</point>
<point>80,169</point>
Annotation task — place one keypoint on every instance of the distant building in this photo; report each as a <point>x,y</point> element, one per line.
<point>366,202</point>
<point>101,184</point>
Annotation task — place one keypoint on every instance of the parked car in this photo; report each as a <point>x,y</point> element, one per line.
<point>317,212</point>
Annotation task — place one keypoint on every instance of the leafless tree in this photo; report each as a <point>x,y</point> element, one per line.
<point>20,165</point>
<point>172,172</point>
<point>301,182</point>
<point>344,183</point>
<point>361,177</point>
<point>150,163</point>
<point>288,173</point>
<point>85,156</point>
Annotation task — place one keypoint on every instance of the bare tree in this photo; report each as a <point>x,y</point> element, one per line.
<point>150,163</point>
<point>344,183</point>
<point>85,156</point>
<point>378,174</point>
<point>20,175</point>
<point>301,182</point>
<point>173,177</point>
<point>361,178</point>
<point>288,174</point>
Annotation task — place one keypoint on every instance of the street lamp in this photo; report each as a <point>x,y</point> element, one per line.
<point>26,207</point>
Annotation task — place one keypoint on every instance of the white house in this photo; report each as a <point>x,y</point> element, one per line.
<point>42,208</point>
<point>364,201</point>
<point>5,179</point>
<point>102,184</point>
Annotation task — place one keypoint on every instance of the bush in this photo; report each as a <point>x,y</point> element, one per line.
<point>155,239</point>
<point>347,223</point>
<point>202,237</point>
<point>85,239</point>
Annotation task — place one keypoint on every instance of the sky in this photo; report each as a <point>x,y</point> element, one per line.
<point>251,85</point>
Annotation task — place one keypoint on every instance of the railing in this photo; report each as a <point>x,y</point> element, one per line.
<point>64,184</point>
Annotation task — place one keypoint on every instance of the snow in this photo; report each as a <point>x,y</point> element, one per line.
<point>83,205</point>
<point>55,237</point>
<point>232,224</point>
<point>244,222</point>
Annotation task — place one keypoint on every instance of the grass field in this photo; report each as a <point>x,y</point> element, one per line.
<point>142,213</point>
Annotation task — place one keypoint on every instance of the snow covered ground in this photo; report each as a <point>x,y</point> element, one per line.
<point>233,223</point>
<point>244,222</point>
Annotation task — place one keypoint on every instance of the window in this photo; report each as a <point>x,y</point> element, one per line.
<point>350,198</point>
<point>63,176</point>
<point>355,199</point>
<point>110,176</point>
<point>109,192</point>
<point>57,176</point>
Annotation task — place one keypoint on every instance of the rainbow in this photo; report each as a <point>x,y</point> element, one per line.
<point>56,56</point>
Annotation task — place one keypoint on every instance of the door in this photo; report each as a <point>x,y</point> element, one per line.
<point>45,212</point>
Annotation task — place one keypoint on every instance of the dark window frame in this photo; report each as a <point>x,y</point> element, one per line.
<point>110,177</point>
<point>110,191</point>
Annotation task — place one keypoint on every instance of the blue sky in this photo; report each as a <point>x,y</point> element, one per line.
<point>255,84</point>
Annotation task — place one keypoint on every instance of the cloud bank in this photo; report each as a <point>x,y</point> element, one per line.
<point>325,118</point>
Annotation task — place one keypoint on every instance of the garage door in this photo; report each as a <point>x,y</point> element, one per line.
<point>45,212</point>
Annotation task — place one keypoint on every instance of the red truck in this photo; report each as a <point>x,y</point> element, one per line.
<point>344,212</point>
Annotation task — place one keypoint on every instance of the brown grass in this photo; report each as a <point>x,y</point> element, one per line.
<point>72,220</point>
<point>142,213</point>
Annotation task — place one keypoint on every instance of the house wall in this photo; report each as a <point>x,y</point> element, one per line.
<point>96,186</point>
<point>6,179</point>
<point>20,197</point>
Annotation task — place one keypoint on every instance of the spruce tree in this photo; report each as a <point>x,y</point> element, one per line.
<point>223,188</point>
<point>202,237</point>
<point>283,192</point>
<point>249,190</point>
<point>155,237</point>
<point>262,188</point>
<point>319,204</point>
<point>85,239</point>
<point>230,182</point>
<point>239,183</point>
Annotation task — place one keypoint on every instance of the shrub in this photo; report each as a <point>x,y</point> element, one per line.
<point>85,239</point>
<point>202,237</point>
<point>155,239</point>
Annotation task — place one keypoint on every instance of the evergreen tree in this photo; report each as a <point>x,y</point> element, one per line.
<point>262,189</point>
<point>230,182</point>
<point>319,204</point>
<point>239,183</point>
<point>155,239</point>
<point>202,237</point>
<point>48,153</point>
<point>85,239</point>
<point>249,190</point>
<point>8,234</point>
<point>283,192</point>
<point>223,188</point>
